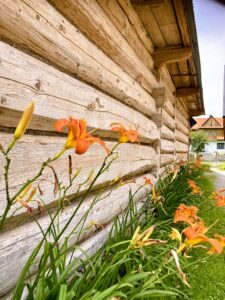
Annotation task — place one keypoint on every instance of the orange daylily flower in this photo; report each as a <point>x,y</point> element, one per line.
<point>140,240</point>
<point>78,137</point>
<point>186,214</point>
<point>219,197</point>
<point>194,187</point>
<point>196,234</point>
<point>148,182</point>
<point>198,162</point>
<point>221,239</point>
<point>124,134</point>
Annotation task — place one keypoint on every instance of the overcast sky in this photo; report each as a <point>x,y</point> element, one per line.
<point>210,23</point>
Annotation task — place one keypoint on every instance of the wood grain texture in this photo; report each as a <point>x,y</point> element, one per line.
<point>132,159</point>
<point>169,107</point>
<point>16,247</point>
<point>167,146</point>
<point>180,136</point>
<point>181,147</point>
<point>89,16</point>
<point>166,159</point>
<point>47,33</point>
<point>137,23</point>
<point>58,95</point>
<point>119,18</point>
<point>167,133</point>
<point>181,127</point>
<point>168,120</point>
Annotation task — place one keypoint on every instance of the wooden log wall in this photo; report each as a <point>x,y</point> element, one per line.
<point>86,59</point>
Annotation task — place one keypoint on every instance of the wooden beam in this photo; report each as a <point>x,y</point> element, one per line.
<point>147,2</point>
<point>166,56</point>
<point>193,113</point>
<point>186,92</point>
<point>159,95</point>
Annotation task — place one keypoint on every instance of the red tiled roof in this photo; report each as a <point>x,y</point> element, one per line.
<point>201,121</point>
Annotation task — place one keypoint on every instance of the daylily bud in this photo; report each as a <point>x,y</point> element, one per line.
<point>24,121</point>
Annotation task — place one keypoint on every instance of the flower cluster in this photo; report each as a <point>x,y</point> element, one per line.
<point>195,189</point>
<point>195,233</point>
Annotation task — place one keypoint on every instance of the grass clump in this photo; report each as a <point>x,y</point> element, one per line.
<point>137,262</point>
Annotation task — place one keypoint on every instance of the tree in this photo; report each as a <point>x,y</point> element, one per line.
<point>198,140</point>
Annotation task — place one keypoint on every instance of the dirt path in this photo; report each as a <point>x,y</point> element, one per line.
<point>220,178</point>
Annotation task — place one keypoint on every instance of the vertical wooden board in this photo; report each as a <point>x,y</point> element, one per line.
<point>132,159</point>
<point>53,37</point>
<point>16,247</point>
<point>58,95</point>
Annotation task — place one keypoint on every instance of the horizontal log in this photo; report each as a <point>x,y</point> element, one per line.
<point>166,80</point>
<point>169,107</point>
<point>58,95</point>
<point>16,247</point>
<point>182,118</point>
<point>181,127</point>
<point>186,92</point>
<point>180,136</point>
<point>181,107</point>
<point>54,38</point>
<point>133,159</point>
<point>181,147</point>
<point>166,56</point>
<point>167,119</point>
<point>137,23</point>
<point>88,16</point>
<point>167,133</point>
<point>167,146</point>
<point>166,159</point>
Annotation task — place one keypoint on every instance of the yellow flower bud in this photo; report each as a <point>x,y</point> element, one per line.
<point>24,121</point>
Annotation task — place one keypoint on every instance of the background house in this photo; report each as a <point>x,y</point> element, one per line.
<point>213,128</point>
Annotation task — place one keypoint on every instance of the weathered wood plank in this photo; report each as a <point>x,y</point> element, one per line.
<point>166,159</point>
<point>166,20</point>
<point>16,247</point>
<point>59,95</point>
<point>151,25</point>
<point>167,133</point>
<point>119,18</point>
<point>45,31</point>
<point>180,136</point>
<point>181,127</point>
<point>181,147</point>
<point>167,56</point>
<point>169,107</point>
<point>167,146</point>
<point>137,23</point>
<point>167,119</point>
<point>132,159</point>
<point>88,16</point>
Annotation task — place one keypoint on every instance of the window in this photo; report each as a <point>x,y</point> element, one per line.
<point>220,146</point>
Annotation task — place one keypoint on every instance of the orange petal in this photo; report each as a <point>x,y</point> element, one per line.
<point>60,124</point>
<point>82,146</point>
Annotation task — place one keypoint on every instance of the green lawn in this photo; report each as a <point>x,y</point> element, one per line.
<point>207,279</point>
